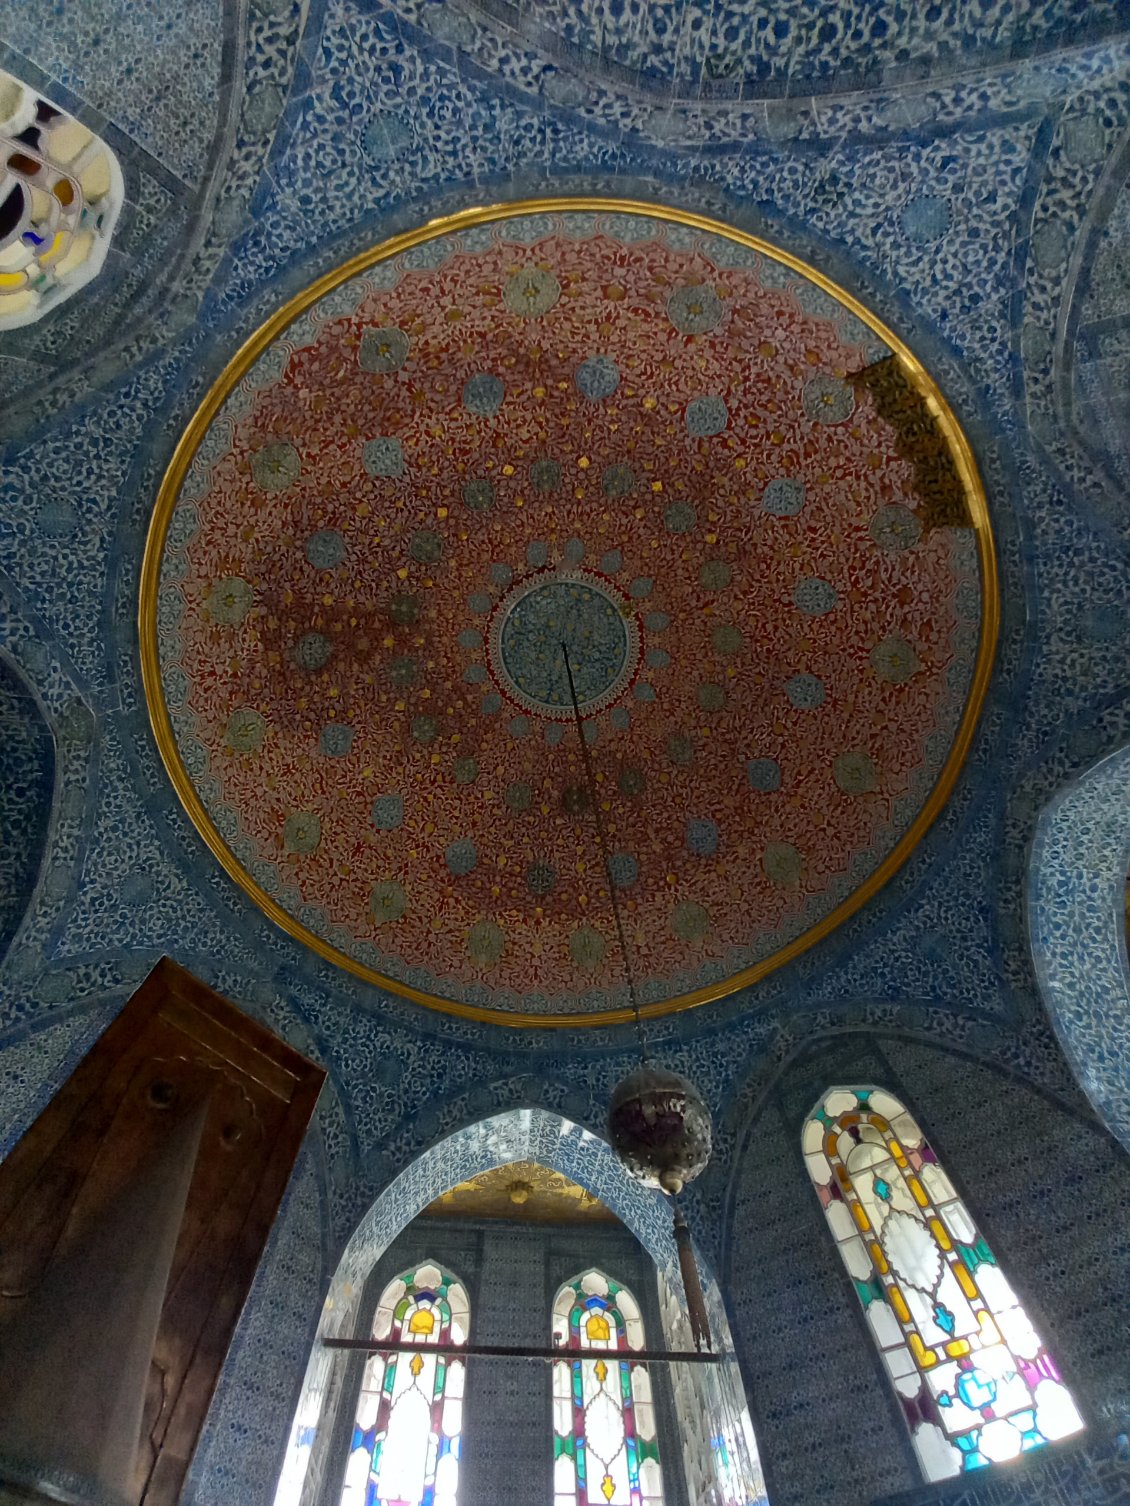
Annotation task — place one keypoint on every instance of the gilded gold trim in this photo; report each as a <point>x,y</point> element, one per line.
<point>250,352</point>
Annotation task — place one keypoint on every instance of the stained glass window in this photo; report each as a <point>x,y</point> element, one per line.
<point>974,1380</point>
<point>605,1449</point>
<point>406,1439</point>
<point>60,194</point>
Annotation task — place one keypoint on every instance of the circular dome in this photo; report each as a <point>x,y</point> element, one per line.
<point>732,496</point>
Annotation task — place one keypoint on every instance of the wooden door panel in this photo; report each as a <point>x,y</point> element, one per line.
<point>175,1044</point>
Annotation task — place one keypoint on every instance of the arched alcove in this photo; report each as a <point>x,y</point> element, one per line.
<point>709,1404</point>
<point>801,1326</point>
<point>1077,929</point>
<point>27,785</point>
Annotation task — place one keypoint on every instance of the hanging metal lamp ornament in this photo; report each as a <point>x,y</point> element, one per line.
<point>658,1124</point>
<point>659,1128</point>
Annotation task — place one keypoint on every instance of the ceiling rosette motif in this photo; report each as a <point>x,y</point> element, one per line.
<point>738,501</point>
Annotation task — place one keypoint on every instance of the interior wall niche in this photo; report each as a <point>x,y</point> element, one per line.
<point>1047,1184</point>
<point>27,786</point>
<point>510,1272</point>
<point>719,1455</point>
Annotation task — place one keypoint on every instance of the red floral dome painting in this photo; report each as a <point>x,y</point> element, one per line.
<point>739,505</point>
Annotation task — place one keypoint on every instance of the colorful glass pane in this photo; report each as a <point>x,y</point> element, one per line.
<point>974,1380</point>
<point>605,1449</point>
<point>61,191</point>
<point>407,1435</point>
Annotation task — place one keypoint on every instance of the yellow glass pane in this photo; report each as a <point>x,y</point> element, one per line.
<point>597,1328</point>
<point>937,1228</point>
<point>9,280</point>
<point>861,1218</point>
<point>12,304</point>
<point>55,249</point>
<point>898,1302</point>
<point>924,1358</point>
<point>422,1321</point>
<point>11,101</point>
<point>918,1191</point>
<point>965,1280</point>
<point>80,250</point>
<point>880,1259</point>
<point>94,177</point>
<point>990,1334</point>
<point>957,1348</point>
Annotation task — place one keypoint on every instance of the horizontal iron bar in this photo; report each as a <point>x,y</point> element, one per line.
<point>520,1352</point>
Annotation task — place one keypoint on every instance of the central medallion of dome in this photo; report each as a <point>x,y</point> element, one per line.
<point>729,490</point>
<point>575,609</point>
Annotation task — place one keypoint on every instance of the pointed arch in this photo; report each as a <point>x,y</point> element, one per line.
<point>719,1449</point>
<point>408,1430</point>
<point>975,1383</point>
<point>605,1448</point>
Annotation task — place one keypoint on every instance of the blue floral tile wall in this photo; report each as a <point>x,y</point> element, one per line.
<point>27,778</point>
<point>1077,914</point>
<point>963,174</point>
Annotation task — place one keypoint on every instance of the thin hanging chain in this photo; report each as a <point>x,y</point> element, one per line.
<point>602,843</point>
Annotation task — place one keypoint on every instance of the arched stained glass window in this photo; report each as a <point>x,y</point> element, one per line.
<point>406,1440</point>
<point>605,1449</point>
<point>60,194</point>
<point>975,1382</point>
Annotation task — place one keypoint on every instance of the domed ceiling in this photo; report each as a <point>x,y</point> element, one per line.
<point>741,506</point>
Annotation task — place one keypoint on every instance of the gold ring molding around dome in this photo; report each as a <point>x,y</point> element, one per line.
<point>910,373</point>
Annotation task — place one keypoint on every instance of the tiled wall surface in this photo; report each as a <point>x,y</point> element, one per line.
<point>965,179</point>
<point>1074,1475</point>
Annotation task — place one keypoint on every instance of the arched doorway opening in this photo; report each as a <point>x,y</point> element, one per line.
<point>715,1438</point>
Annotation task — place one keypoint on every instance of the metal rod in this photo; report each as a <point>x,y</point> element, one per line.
<point>520,1352</point>
<point>602,843</point>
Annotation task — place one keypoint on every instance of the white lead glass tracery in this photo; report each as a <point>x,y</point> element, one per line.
<point>407,1437</point>
<point>605,1449</point>
<point>975,1382</point>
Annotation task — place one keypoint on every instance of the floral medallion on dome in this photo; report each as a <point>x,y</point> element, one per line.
<point>544,615</point>
<point>606,435</point>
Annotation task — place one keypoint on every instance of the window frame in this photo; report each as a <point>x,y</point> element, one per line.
<point>625,1321</point>
<point>931,1212</point>
<point>404,1275</point>
<point>78,216</point>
